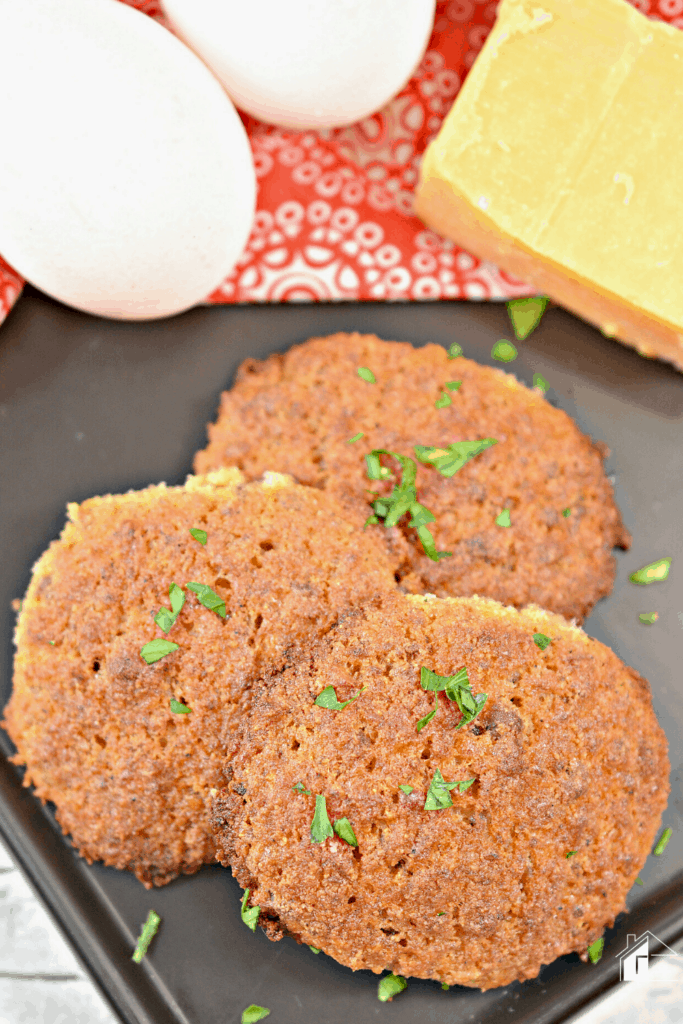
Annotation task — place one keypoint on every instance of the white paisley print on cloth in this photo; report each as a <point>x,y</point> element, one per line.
<point>335,215</point>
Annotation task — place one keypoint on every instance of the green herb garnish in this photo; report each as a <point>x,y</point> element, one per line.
<point>406,789</point>
<point>149,930</point>
<point>366,375</point>
<point>457,688</point>
<point>541,383</point>
<point>356,437</point>
<point>652,573</point>
<point>250,915</point>
<point>444,986</point>
<point>639,881</point>
<point>314,949</point>
<point>662,844</point>
<point>428,717</point>
<point>453,385</point>
<point>402,500</point>
<point>342,827</point>
<point>51,642</point>
<point>595,950</point>
<point>438,796</point>
<point>570,854</point>
<point>503,518</point>
<point>526,314</point>
<point>542,641</point>
<point>648,618</point>
<point>179,709</point>
<point>254,1013</point>
<point>200,535</point>
<point>328,699</point>
<point>454,351</point>
<point>298,787</point>
<point>320,826</point>
<point>440,913</point>
<point>504,351</point>
<point>443,401</point>
<point>208,597</point>
<point>566,512</point>
<point>165,618</point>
<point>157,649</point>
<point>452,457</point>
<point>391,985</point>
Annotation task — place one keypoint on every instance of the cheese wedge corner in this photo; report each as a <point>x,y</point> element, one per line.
<point>561,160</point>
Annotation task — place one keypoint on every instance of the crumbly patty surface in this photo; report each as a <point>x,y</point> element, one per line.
<point>92,722</point>
<point>566,755</point>
<point>296,412</point>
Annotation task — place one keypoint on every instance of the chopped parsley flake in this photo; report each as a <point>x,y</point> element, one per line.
<point>443,401</point>
<point>453,457</point>
<point>526,314</point>
<point>454,351</point>
<point>149,930</point>
<point>570,854</point>
<point>250,915</point>
<point>391,985</point>
<point>453,385</point>
<point>320,826</point>
<point>541,383</point>
<point>595,950</point>
<point>328,699</point>
<point>639,881</point>
<point>440,913</point>
<point>157,649</point>
<point>504,351</point>
<point>402,500</point>
<point>444,986</point>
<point>566,512</point>
<point>314,949</point>
<point>458,689</point>
<point>200,535</point>
<point>428,717</point>
<point>503,518</point>
<point>51,642</point>
<point>179,709</point>
<point>438,796</point>
<point>254,1013</point>
<point>662,844</point>
<point>298,787</point>
<point>542,641</point>
<point>344,830</point>
<point>209,598</point>
<point>165,619</point>
<point>366,375</point>
<point>652,573</point>
<point>406,789</point>
<point>356,437</point>
<point>648,618</point>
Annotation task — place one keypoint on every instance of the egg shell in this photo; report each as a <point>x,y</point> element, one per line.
<point>127,184</point>
<point>307,63</point>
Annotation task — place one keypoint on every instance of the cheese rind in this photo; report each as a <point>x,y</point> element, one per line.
<point>562,161</point>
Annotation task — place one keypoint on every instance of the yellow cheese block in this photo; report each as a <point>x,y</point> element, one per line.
<point>562,161</point>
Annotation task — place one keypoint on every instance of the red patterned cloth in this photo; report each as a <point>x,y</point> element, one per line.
<point>334,214</point>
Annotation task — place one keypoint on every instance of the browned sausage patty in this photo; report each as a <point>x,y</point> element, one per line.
<point>296,413</point>
<point>92,721</point>
<point>533,859</point>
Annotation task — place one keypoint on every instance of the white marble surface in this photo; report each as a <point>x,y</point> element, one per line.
<point>41,982</point>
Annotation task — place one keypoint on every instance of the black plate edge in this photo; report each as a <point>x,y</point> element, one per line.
<point>89,925</point>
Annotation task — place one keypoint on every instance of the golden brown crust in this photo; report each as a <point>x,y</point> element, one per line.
<point>92,721</point>
<point>296,412</point>
<point>566,754</point>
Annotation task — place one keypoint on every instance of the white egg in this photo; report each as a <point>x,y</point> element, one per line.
<point>307,63</point>
<point>127,184</point>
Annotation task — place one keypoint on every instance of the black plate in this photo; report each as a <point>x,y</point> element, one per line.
<point>89,406</point>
